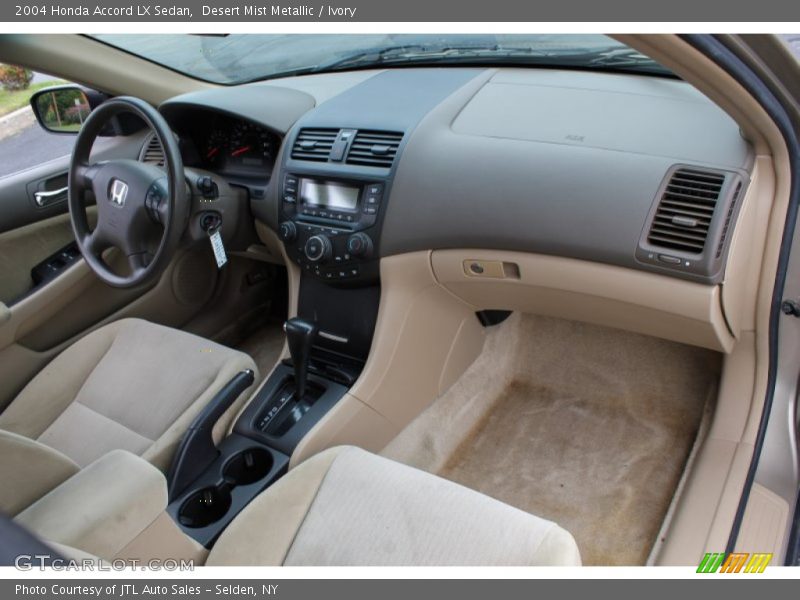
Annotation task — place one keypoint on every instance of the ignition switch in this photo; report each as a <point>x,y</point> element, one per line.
<point>210,221</point>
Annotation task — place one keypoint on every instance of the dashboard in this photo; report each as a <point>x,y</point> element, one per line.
<point>602,167</point>
<point>637,173</point>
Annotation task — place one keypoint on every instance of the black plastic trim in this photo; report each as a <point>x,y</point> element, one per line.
<point>489,318</point>
<point>718,52</point>
<point>239,495</point>
<point>246,425</point>
<point>197,449</point>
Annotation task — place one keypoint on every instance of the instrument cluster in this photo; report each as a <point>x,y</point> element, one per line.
<point>232,146</point>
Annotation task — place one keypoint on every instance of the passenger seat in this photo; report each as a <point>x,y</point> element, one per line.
<point>344,506</point>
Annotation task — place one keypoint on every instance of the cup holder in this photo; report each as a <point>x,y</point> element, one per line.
<point>204,507</point>
<point>248,466</point>
<point>212,503</point>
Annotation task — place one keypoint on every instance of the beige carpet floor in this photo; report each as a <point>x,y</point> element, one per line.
<point>264,345</point>
<point>587,426</point>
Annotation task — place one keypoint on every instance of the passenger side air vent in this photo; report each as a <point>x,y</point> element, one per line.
<point>685,211</point>
<point>374,148</point>
<point>152,153</point>
<point>690,222</point>
<point>314,144</point>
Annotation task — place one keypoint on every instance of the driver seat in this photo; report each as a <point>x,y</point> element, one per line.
<point>130,385</point>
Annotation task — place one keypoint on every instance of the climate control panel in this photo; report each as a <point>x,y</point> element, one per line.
<point>330,226</point>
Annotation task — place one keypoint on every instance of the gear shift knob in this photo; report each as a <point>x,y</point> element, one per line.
<point>300,336</point>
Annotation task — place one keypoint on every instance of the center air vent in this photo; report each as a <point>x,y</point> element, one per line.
<point>314,144</point>
<point>374,148</point>
<point>686,210</point>
<point>152,152</point>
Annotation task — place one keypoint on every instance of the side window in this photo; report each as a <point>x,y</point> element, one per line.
<point>23,143</point>
<point>793,41</point>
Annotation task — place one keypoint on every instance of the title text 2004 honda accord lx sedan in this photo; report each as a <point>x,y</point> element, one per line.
<point>401,300</point>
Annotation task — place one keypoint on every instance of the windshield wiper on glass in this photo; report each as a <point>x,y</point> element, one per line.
<point>623,57</point>
<point>409,54</point>
<point>418,53</point>
<point>611,58</point>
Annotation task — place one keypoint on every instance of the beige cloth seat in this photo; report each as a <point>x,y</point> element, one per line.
<point>343,506</point>
<point>129,385</point>
<point>346,506</point>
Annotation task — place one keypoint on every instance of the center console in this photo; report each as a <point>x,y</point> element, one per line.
<point>330,226</point>
<point>210,484</point>
<point>330,194</point>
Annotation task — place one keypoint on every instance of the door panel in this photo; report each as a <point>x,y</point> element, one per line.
<point>34,223</point>
<point>18,199</point>
<point>23,248</point>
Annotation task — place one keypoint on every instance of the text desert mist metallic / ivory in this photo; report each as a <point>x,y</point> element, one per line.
<point>276,10</point>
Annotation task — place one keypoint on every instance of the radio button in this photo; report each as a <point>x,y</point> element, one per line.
<point>370,210</point>
<point>288,231</point>
<point>359,244</point>
<point>318,248</point>
<point>373,200</point>
<point>375,188</point>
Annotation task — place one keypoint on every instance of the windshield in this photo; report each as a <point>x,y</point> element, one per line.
<point>238,58</point>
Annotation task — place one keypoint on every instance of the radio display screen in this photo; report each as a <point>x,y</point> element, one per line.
<point>329,194</point>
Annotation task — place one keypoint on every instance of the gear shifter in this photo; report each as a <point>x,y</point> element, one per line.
<point>300,336</point>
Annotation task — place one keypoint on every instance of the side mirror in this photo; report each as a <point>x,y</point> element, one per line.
<point>61,109</point>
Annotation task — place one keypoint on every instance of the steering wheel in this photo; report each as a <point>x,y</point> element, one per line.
<point>141,210</point>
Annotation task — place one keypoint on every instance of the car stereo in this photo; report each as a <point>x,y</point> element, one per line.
<point>329,226</point>
<point>328,195</point>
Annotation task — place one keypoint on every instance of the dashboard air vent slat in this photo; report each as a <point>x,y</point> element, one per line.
<point>374,148</point>
<point>152,152</point>
<point>314,144</point>
<point>685,210</point>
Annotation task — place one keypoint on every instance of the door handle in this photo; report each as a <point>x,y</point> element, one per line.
<point>44,199</point>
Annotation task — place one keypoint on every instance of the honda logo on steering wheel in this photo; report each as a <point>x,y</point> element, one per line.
<point>118,192</point>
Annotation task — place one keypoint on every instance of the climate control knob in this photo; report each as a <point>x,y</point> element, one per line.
<point>359,244</point>
<point>288,231</point>
<point>318,248</point>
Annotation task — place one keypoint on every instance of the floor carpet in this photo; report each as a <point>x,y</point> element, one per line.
<point>587,426</point>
